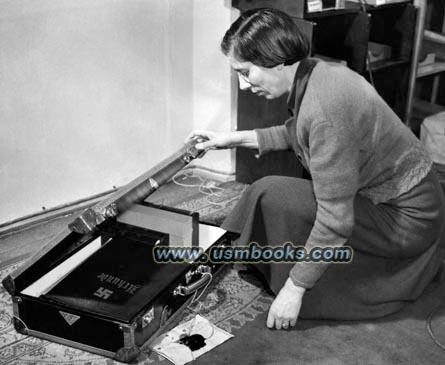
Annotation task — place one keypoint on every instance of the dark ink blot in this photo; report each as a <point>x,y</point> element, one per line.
<point>193,342</point>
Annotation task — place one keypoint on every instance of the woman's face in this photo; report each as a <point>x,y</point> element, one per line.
<point>267,82</point>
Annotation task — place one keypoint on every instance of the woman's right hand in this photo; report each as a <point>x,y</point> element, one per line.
<point>212,140</point>
<point>221,140</point>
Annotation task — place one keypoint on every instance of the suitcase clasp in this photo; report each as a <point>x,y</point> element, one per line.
<point>206,277</point>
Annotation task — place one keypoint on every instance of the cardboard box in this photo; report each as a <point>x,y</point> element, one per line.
<point>432,135</point>
<point>379,52</point>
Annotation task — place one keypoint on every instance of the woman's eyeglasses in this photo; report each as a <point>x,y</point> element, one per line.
<point>244,74</point>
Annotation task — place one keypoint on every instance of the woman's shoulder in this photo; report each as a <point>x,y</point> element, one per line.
<point>338,96</point>
<point>338,76</point>
<point>336,90</point>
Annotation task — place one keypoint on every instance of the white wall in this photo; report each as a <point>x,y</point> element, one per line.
<point>95,92</point>
<point>214,98</point>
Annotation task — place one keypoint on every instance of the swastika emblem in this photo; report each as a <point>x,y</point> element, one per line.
<point>103,293</point>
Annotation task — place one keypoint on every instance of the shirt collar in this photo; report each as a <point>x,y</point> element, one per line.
<point>293,93</point>
<point>299,75</point>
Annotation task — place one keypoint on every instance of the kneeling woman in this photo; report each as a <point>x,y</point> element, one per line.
<point>372,187</point>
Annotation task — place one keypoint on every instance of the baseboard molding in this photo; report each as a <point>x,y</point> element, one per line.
<point>31,220</point>
<point>73,208</point>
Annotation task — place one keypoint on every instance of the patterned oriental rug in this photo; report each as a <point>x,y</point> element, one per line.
<point>238,303</point>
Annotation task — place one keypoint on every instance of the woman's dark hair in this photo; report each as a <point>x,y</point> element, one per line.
<point>265,37</point>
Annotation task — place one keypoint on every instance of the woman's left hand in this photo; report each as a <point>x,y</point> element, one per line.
<point>283,312</point>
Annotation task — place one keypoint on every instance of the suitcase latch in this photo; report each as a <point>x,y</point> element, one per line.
<point>205,273</point>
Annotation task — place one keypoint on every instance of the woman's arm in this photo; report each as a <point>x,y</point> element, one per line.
<point>263,139</point>
<point>222,140</point>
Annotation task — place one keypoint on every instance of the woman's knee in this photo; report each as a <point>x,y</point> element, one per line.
<point>281,185</point>
<point>268,183</point>
<point>285,195</point>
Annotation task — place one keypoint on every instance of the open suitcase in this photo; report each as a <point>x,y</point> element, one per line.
<point>97,285</point>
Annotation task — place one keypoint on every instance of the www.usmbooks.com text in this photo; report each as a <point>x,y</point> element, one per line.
<point>253,253</point>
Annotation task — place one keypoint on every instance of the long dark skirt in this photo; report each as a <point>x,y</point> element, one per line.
<point>396,245</point>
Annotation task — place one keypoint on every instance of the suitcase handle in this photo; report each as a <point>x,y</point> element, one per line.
<point>206,277</point>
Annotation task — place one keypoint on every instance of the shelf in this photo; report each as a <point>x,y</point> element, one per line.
<point>386,64</point>
<point>328,13</point>
<point>423,108</point>
<point>347,9</point>
<point>430,69</point>
<point>370,7</point>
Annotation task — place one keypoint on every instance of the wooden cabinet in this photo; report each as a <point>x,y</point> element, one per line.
<point>343,34</point>
<point>393,25</point>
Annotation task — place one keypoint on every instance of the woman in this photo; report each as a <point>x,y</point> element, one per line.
<point>372,187</point>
